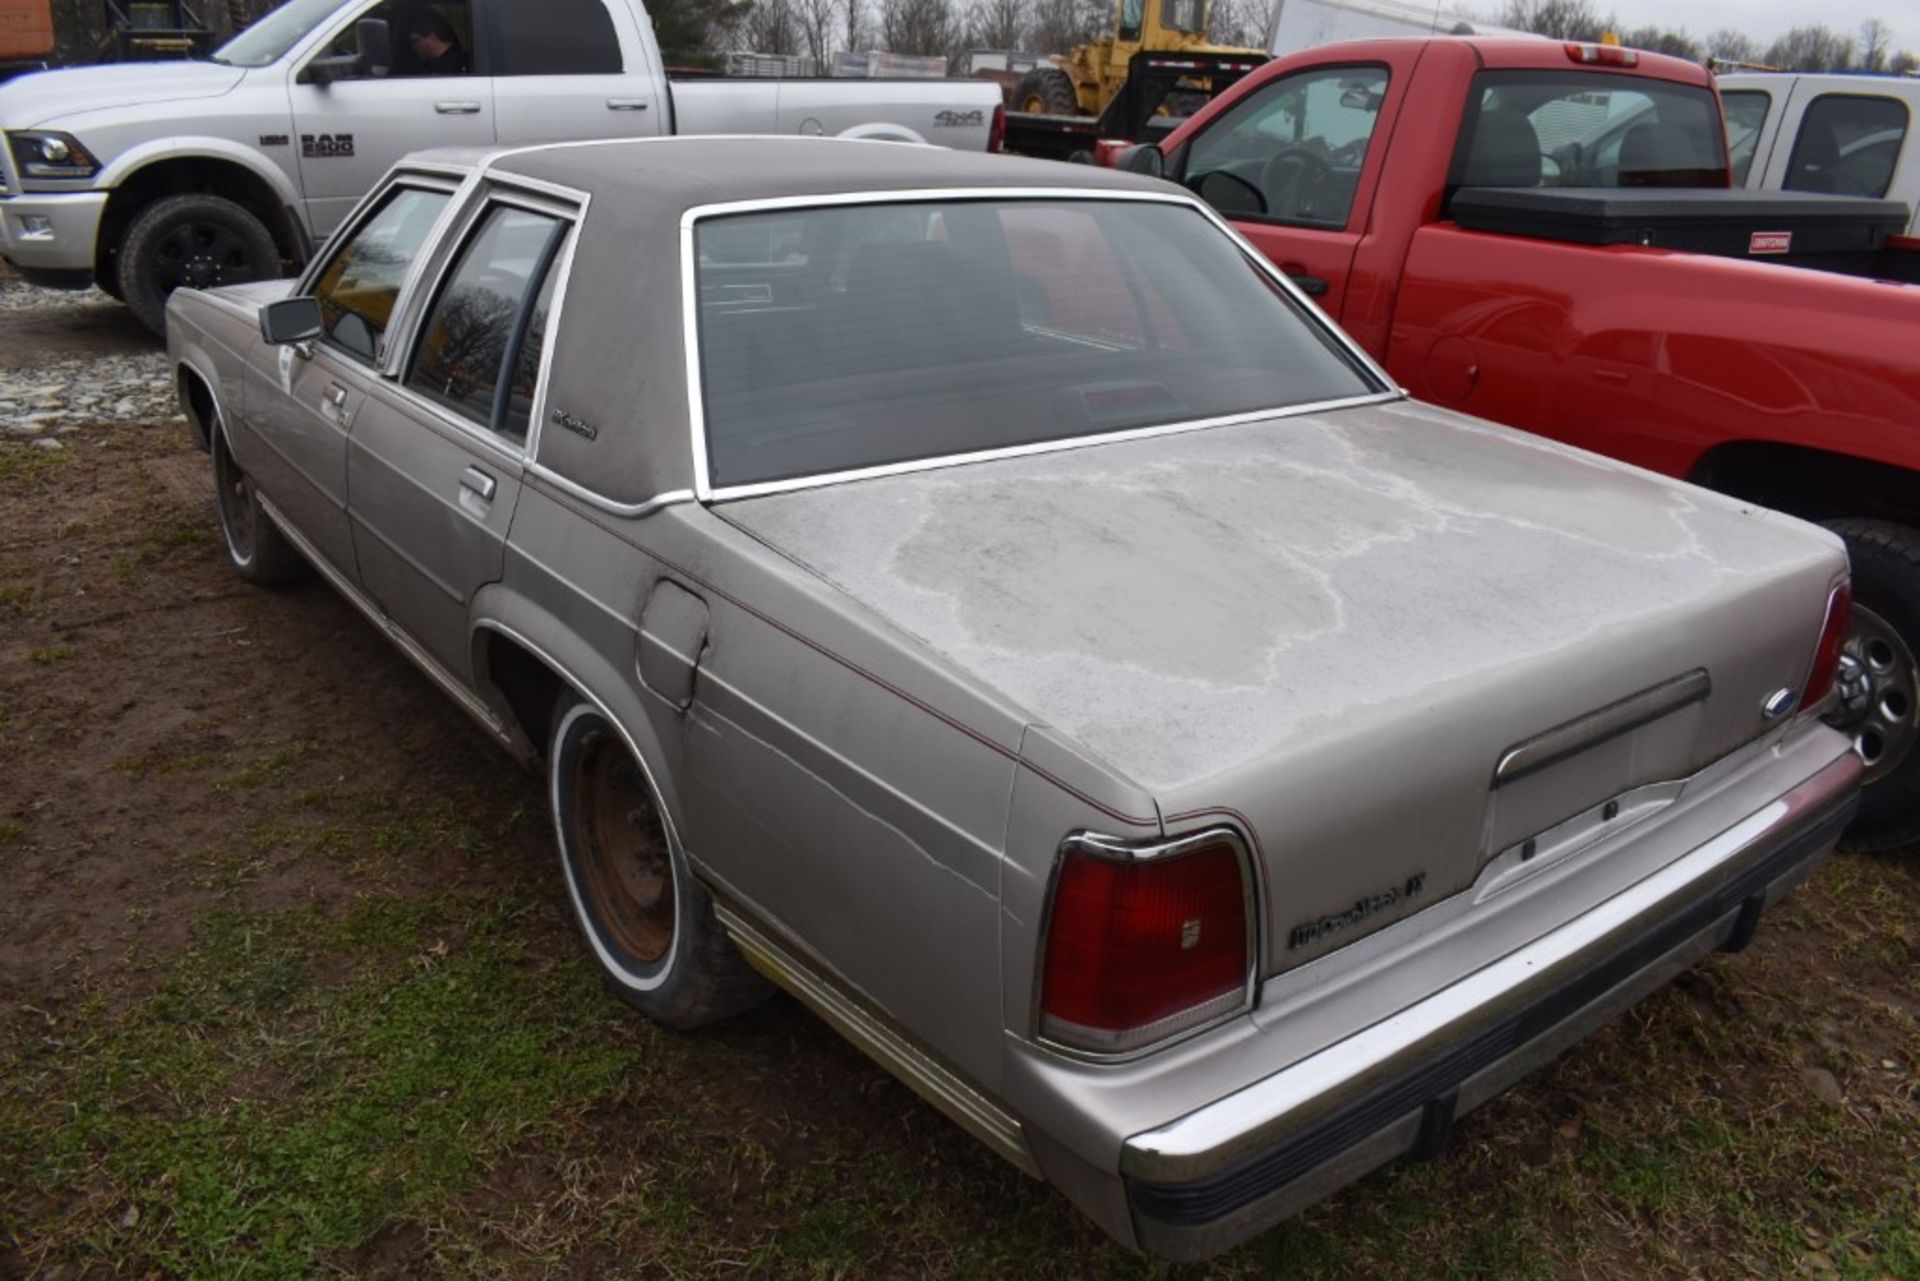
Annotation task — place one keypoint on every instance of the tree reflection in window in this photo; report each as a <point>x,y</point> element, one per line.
<point>357,290</point>
<point>465,348</point>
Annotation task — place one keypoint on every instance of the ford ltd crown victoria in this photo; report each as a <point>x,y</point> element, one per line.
<point>983,598</point>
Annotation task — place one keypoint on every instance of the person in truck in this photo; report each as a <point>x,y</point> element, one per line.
<point>436,46</point>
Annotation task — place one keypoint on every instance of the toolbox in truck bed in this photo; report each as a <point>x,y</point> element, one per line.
<point>1732,224</point>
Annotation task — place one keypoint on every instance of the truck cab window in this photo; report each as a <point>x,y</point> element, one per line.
<point>426,40</point>
<point>557,38</point>
<point>1588,129</point>
<point>1848,145</point>
<point>478,355</point>
<point>361,283</point>
<point>1292,153</point>
<point>1746,116</point>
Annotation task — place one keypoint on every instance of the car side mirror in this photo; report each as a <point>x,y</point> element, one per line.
<point>1144,159</point>
<point>375,41</point>
<point>291,320</point>
<point>1229,193</point>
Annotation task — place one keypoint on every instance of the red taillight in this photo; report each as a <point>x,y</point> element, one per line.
<point>1602,55</point>
<point>1826,655</point>
<point>1139,948</point>
<point>997,131</point>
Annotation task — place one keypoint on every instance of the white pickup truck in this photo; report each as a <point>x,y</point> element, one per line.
<point>144,177</point>
<point>1844,134</point>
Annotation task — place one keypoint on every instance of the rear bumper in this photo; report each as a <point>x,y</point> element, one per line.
<point>1228,1170</point>
<point>52,232</point>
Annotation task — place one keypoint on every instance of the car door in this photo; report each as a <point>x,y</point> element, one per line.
<point>570,69</point>
<point>349,131</point>
<point>435,461</point>
<point>1288,164</point>
<point>300,401</point>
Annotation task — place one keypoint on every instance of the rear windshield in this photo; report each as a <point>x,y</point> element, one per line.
<point>838,338</point>
<point>1588,129</point>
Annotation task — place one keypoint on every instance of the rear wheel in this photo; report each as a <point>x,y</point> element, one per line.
<point>1879,680</point>
<point>196,241</point>
<point>647,920</point>
<point>1046,91</point>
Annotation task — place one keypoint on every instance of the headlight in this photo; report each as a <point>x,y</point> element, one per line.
<point>41,153</point>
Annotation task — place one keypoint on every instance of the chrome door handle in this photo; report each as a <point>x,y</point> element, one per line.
<point>478,483</point>
<point>457,108</point>
<point>335,396</point>
<point>626,104</point>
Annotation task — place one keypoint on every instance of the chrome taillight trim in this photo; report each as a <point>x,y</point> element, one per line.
<point>1132,1043</point>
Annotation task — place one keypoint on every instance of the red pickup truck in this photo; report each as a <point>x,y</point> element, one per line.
<point>1542,234</point>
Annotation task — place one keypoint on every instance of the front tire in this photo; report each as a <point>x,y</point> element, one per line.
<point>255,546</point>
<point>1879,680</point>
<point>647,920</point>
<point>1046,91</point>
<point>194,240</point>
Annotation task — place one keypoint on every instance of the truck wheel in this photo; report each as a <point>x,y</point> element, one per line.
<point>1878,682</point>
<point>648,921</point>
<point>197,241</point>
<point>1046,91</point>
<point>255,545</point>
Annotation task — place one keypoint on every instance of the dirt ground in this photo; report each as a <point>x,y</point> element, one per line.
<point>179,750</point>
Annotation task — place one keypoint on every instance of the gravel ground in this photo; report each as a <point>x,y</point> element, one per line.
<point>73,358</point>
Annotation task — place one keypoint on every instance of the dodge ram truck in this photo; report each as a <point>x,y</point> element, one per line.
<point>142,178</point>
<point>1543,234</point>
<point>1851,135</point>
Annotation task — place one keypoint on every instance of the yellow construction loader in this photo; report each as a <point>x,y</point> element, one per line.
<point>1085,81</point>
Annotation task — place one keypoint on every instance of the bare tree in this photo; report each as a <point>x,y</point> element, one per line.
<point>925,27</point>
<point>1904,63</point>
<point>1732,44</point>
<point>1239,22</point>
<point>772,26</point>
<point>1874,45</point>
<point>1811,48</point>
<point>1058,25</point>
<point>818,20</point>
<point>1561,19</point>
<point>856,14</point>
<point>1659,40</point>
<point>997,24</point>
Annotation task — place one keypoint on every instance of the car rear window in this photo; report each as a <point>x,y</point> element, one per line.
<point>838,338</point>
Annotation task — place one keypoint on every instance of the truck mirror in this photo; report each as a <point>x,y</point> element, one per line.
<point>374,40</point>
<point>1144,159</point>
<point>1229,193</point>
<point>291,320</point>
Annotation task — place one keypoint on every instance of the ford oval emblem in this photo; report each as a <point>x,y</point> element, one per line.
<point>1779,703</point>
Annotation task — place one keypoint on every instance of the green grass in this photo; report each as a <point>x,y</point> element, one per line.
<point>11,831</point>
<point>46,655</point>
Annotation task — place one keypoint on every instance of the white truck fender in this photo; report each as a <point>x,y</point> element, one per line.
<point>882,132</point>
<point>193,147</point>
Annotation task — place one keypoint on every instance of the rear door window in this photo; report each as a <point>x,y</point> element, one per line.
<point>479,352</point>
<point>1848,145</point>
<point>556,38</point>
<point>1746,116</point>
<point>361,283</point>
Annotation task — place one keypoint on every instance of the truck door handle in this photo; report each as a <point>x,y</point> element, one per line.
<point>457,108</point>
<point>478,483</point>
<point>1311,286</point>
<point>626,104</point>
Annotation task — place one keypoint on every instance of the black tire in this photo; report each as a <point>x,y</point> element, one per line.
<point>648,921</point>
<point>196,240</point>
<point>255,546</point>
<point>1880,682</point>
<point>1046,91</point>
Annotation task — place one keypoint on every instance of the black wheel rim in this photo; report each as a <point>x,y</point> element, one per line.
<point>202,255</point>
<point>235,497</point>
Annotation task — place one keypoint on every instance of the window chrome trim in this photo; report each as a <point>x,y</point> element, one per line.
<point>1212,1012</point>
<point>1310,314</point>
<point>627,511</point>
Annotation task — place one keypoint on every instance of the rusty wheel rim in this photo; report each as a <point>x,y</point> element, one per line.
<point>236,503</point>
<point>626,867</point>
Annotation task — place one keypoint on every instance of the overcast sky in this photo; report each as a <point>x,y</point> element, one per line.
<point>1765,19</point>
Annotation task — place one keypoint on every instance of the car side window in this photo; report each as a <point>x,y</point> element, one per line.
<point>424,40</point>
<point>1292,152</point>
<point>1746,111</point>
<point>1847,145</point>
<point>361,283</point>
<point>479,352</point>
<point>556,38</point>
